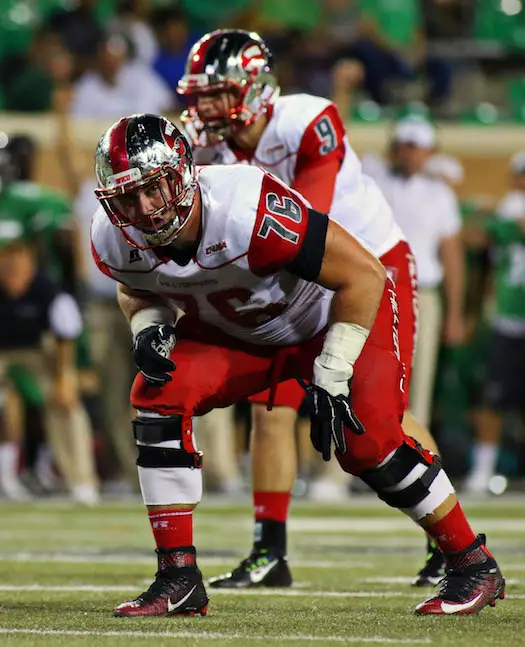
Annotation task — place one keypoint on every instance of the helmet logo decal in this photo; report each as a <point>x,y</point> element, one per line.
<point>180,150</point>
<point>118,179</point>
<point>252,58</point>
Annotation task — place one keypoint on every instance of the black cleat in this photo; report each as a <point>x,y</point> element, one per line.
<point>176,591</point>
<point>472,581</point>
<point>261,568</point>
<point>434,569</point>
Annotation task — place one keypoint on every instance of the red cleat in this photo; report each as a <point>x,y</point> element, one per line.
<point>175,592</point>
<point>472,581</point>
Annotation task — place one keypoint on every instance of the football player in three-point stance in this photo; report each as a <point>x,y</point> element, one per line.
<point>271,290</point>
<point>236,115</point>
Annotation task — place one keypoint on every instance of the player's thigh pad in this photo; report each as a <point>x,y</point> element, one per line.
<point>410,479</point>
<point>168,461</point>
<point>377,395</point>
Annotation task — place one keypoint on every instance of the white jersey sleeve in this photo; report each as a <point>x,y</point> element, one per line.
<point>114,256</point>
<point>242,277</point>
<point>450,215</point>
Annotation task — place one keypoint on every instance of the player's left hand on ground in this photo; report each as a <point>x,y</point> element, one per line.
<point>329,415</point>
<point>151,351</point>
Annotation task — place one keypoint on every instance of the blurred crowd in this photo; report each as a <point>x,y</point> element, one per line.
<point>89,56</point>
<point>65,361</point>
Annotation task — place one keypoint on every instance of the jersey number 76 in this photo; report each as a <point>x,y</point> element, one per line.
<point>280,206</point>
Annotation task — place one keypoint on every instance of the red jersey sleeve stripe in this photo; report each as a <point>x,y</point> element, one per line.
<point>319,158</point>
<point>280,225</point>
<point>100,263</point>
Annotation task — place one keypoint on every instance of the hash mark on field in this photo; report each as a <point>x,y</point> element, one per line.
<point>220,636</point>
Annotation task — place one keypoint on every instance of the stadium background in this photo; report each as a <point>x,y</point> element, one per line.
<point>62,568</point>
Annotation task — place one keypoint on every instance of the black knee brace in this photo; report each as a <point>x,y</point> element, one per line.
<point>150,432</point>
<point>387,480</point>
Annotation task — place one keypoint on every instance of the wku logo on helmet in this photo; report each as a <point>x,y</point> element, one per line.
<point>181,151</point>
<point>252,59</point>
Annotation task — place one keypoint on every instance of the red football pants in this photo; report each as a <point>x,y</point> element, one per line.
<point>401,267</point>
<point>217,371</point>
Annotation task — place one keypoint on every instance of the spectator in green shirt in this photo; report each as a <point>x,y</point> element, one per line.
<point>30,80</point>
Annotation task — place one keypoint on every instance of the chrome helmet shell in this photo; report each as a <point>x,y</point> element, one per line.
<point>145,153</point>
<point>228,59</point>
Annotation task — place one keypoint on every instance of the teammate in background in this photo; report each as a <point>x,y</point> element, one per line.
<point>271,290</point>
<point>504,389</point>
<point>236,115</point>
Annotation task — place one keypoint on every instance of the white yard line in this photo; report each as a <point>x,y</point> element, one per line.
<point>131,558</point>
<point>511,567</point>
<point>315,525</point>
<point>299,592</point>
<point>292,592</point>
<point>70,588</point>
<point>220,636</point>
<point>407,580</point>
<point>366,524</point>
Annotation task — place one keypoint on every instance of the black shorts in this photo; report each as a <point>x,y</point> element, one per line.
<point>504,388</point>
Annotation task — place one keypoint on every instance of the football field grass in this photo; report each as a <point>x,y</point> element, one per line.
<point>63,569</point>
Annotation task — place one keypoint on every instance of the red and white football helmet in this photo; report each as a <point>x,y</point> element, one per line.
<point>146,178</point>
<point>234,60</point>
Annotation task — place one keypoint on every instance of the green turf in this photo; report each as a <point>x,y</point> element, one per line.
<point>62,569</point>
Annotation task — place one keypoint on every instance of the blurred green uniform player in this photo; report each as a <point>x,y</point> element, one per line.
<point>46,217</point>
<point>461,369</point>
<point>508,237</point>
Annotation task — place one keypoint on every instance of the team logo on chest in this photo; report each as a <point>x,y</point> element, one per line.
<point>216,247</point>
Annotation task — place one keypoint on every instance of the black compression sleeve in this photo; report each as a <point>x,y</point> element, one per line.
<point>307,264</point>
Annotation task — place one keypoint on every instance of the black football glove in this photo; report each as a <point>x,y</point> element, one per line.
<point>329,415</point>
<point>151,352</point>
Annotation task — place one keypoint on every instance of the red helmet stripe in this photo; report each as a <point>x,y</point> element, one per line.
<point>196,62</point>
<point>118,150</point>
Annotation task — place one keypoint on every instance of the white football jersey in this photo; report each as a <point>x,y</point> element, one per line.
<point>305,131</point>
<point>252,227</point>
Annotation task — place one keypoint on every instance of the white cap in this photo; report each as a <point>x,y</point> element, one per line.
<point>517,162</point>
<point>446,167</point>
<point>415,130</point>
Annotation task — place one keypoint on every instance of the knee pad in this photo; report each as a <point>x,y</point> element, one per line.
<point>169,463</point>
<point>410,479</point>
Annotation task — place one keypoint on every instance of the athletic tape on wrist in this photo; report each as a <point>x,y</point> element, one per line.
<point>153,316</point>
<point>342,346</point>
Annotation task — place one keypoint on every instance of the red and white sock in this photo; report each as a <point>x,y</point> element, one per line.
<point>271,505</point>
<point>172,528</point>
<point>453,533</point>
